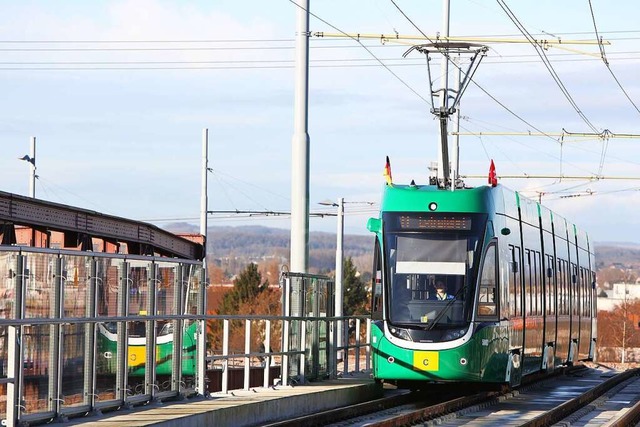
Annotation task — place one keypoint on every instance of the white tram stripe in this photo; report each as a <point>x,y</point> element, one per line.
<point>422,267</point>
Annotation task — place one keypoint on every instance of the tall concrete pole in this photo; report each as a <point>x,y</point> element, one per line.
<point>300,146</point>
<point>32,168</point>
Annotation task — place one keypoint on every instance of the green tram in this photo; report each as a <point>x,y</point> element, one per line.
<point>519,284</point>
<point>137,349</point>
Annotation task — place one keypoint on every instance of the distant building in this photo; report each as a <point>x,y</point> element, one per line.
<point>619,293</point>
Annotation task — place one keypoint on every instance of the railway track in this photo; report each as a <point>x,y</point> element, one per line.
<point>576,396</point>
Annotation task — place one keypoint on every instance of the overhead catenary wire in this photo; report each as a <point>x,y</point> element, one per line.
<point>254,40</point>
<point>258,44</point>
<point>559,194</point>
<point>562,138</point>
<point>567,177</point>
<point>385,60</point>
<point>546,62</point>
<point>366,48</point>
<point>232,214</point>
<point>606,62</point>
<point>504,106</point>
<point>237,64</point>
<point>472,80</point>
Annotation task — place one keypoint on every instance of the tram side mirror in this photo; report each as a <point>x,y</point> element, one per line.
<point>374,225</point>
<point>549,272</point>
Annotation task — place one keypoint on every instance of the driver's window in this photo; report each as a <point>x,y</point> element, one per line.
<point>487,293</point>
<point>376,285</point>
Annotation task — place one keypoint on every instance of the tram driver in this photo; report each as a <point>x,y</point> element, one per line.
<point>441,292</point>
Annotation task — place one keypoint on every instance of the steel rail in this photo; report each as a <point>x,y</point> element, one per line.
<point>629,418</point>
<point>347,412</point>
<point>569,407</point>
<point>426,406</point>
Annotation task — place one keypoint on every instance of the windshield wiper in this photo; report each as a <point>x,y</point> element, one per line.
<point>444,310</point>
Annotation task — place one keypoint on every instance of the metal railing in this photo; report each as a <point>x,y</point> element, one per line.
<point>284,357</point>
<point>83,332</point>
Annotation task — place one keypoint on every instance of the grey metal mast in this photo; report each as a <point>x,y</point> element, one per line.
<point>455,172</point>
<point>300,146</point>
<point>201,386</point>
<point>442,112</point>
<point>203,192</point>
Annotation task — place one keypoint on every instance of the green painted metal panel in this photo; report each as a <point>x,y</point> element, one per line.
<point>484,358</point>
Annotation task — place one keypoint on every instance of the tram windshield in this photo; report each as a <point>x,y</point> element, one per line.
<point>431,261</point>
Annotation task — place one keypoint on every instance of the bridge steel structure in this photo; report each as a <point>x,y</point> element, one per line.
<point>87,302</point>
<point>80,227</point>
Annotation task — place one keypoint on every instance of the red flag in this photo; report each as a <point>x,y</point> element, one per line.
<point>387,172</point>
<point>493,178</point>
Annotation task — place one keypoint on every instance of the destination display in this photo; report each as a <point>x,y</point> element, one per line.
<point>434,222</point>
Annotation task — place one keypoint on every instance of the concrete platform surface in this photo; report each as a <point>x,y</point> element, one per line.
<point>255,407</point>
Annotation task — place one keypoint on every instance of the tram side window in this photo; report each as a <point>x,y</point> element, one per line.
<point>562,284</point>
<point>592,293</point>
<point>594,301</point>
<point>585,292</point>
<point>589,292</point>
<point>575,290</point>
<point>528,291</point>
<point>537,282</point>
<point>551,301</point>
<point>566,287</point>
<point>560,274</point>
<point>515,291</point>
<point>487,292</point>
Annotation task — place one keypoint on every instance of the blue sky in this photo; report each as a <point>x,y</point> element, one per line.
<point>118,92</point>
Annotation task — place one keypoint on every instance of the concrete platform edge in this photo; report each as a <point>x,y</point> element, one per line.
<point>246,408</point>
<point>282,408</point>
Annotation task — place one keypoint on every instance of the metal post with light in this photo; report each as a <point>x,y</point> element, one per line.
<point>338,289</point>
<point>31,158</point>
<point>201,336</point>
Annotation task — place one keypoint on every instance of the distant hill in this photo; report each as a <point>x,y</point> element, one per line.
<point>256,243</point>
<point>622,255</point>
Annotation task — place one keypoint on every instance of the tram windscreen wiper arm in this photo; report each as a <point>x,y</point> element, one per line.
<point>444,310</point>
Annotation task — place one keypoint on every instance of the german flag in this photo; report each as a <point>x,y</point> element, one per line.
<point>387,172</point>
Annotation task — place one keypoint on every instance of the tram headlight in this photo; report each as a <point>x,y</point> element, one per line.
<point>400,333</point>
<point>454,334</point>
